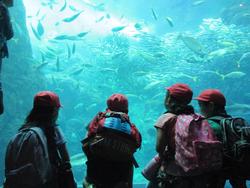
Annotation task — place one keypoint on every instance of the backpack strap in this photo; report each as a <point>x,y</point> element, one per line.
<point>40,134</point>
<point>216,119</point>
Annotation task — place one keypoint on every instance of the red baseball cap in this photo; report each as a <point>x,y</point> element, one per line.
<point>181,92</point>
<point>212,95</point>
<point>47,98</point>
<point>118,103</point>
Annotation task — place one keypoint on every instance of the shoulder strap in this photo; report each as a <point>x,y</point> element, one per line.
<point>216,119</point>
<point>42,138</point>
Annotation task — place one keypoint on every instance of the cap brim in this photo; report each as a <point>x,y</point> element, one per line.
<point>200,99</point>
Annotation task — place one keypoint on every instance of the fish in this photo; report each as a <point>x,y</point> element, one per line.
<point>83,34</point>
<point>78,71</point>
<point>100,7</point>
<point>64,6</point>
<point>100,19</point>
<point>109,70</point>
<point>40,29</point>
<point>108,16</point>
<point>159,55</point>
<point>192,44</point>
<point>69,51</point>
<point>154,14</point>
<point>79,106</point>
<point>35,32</point>
<point>38,12</point>
<point>234,74</point>
<point>73,48</point>
<point>41,66</point>
<point>138,26</point>
<point>57,23</point>
<point>217,53</point>
<point>238,108</point>
<point>66,37</point>
<point>43,58</point>
<point>78,159</point>
<point>196,3</point>
<point>72,18</point>
<point>91,106</point>
<point>57,64</point>
<point>72,8</point>
<point>170,21</point>
<point>244,58</point>
<point>152,84</point>
<point>194,78</point>
<point>118,28</point>
<point>140,73</point>
<point>87,65</point>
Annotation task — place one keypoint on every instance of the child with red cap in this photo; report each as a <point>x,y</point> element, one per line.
<point>170,174</point>
<point>110,144</point>
<point>212,106</point>
<point>37,155</point>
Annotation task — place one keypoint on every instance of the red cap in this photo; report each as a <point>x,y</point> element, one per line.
<point>181,92</point>
<point>212,95</point>
<point>118,103</point>
<point>47,98</point>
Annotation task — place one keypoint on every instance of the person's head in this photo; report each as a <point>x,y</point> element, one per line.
<point>178,97</point>
<point>8,3</point>
<point>45,109</point>
<point>118,103</point>
<point>211,102</point>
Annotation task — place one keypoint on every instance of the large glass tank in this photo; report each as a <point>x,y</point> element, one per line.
<point>86,50</point>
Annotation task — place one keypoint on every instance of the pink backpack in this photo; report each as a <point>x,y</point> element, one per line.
<point>197,148</point>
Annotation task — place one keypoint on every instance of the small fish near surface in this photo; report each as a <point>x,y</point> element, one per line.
<point>64,6</point>
<point>118,28</point>
<point>66,37</point>
<point>197,3</point>
<point>170,21</point>
<point>71,37</point>
<point>83,34</point>
<point>100,19</point>
<point>154,14</point>
<point>35,32</point>
<point>40,29</point>
<point>72,18</point>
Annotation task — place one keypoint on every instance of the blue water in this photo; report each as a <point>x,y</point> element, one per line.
<point>86,50</point>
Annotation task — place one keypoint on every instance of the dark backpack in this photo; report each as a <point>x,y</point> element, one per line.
<point>27,160</point>
<point>113,141</point>
<point>236,141</point>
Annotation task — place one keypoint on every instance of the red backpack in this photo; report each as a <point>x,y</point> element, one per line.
<point>197,148</point>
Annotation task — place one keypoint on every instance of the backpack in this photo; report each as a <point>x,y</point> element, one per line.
<point>236,141</point>
<point>27,162</point>
<point>112,140</point>
<point>197,148</point>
